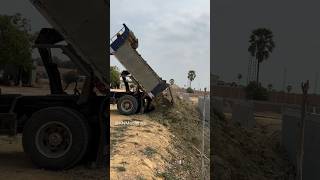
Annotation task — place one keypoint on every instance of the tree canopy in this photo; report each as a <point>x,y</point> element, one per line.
<point>261,45</point>
<point>114,77</point>
<point>15,41</point>
<point>191,76</point>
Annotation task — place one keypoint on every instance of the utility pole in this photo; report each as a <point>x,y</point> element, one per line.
<point>301,130</point>
<point>203,128</point>
<point>316,83</point>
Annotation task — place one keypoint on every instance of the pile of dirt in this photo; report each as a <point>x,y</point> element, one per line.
<point>182,119</point>
<point>240,153</point>
<point>163,144</point>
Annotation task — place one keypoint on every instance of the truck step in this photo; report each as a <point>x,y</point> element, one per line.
<point>8,124</point>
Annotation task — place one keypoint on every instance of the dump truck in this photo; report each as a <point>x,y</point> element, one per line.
<point>123,45</point>
<point>59,130</point>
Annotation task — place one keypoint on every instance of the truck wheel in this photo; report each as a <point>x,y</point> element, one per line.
<point>56,138</point>
<point>127,105</point>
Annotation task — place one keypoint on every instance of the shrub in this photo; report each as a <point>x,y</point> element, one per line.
<point>190,90</point>
<point>255,91</point>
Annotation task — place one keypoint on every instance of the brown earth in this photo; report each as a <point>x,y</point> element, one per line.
<point>163,144</point>
<point>14,164</point>
<point>249,154</point>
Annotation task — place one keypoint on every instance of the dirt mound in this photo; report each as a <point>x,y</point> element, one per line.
<point>183,120</point>
<point>162,144</point>
<point>240,153</point>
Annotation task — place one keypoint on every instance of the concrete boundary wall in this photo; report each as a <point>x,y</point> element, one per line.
<point>311,163</point>
<point>243,113</point>
<point>261,106</point>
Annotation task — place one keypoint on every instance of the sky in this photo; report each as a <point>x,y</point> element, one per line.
<point>174,36</point>
<point>296,29</point>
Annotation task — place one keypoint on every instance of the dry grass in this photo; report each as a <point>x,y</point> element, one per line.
<point>162,146</point>
<point>249,154</point>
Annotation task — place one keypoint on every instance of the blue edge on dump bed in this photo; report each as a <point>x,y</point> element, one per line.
<point>115,45</point>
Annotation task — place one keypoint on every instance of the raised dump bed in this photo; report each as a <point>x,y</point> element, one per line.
<point>84,25</point>
<point>123,46</point>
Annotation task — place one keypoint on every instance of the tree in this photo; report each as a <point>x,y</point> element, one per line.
<point>289,88</point>
<point>270,87</point>
<point>171,82</point>
<point>261,45</point>
<point>15,43</point>
<point>189,90</point>
<point>239,78</point>
<point>114,77</point>
<point>256,92</point>
<point>191,76</point>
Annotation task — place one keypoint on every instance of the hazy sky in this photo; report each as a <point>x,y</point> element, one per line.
<point>296,28</point>
<point>174,36</point>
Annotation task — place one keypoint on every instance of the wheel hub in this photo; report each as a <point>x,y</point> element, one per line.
<point>53,139</point>
<point>127,105</point>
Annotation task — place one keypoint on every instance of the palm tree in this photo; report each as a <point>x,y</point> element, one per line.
<point>171,81</point>
<point>289,88</point>
<point>261,46</point>
<point>239,78</point>
<point>270,87</point>
<point>191,76</point>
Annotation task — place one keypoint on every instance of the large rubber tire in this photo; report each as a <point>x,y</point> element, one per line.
<point>127,105</point>
<point>64,122</point>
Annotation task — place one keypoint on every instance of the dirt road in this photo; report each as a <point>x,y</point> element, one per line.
<point>14,164</point>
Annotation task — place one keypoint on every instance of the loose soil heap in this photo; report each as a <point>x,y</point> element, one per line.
<point>244,154</point>
<point>162,144</point>
<point>183,120</point>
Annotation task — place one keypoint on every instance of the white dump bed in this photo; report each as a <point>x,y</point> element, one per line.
<point>123,47</point>
<point>84,25</point>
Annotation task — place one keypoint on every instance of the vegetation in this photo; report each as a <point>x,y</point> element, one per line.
<point>261,46</point>
<point>256,92</point>
<point>15,46</point>
<point>149,152</point>
<point>191,76</point>
<point>189,90</point>
<point>239,78</point>
<point>171,82</point>
<point>114,77</point>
